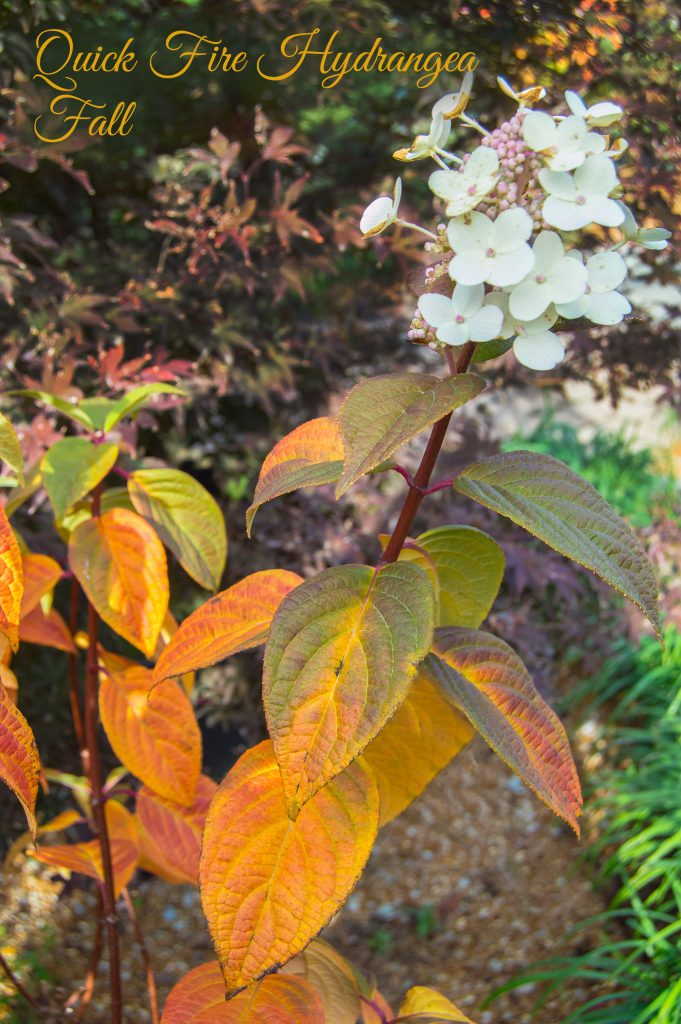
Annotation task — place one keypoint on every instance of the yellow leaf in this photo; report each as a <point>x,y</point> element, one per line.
<point>11,582</point>
<point>421,738</point>
<point>19,761</point>
<point>426,1006</point>
<point>41,575</point>
<point>120,563</point>
<point>268,885</point>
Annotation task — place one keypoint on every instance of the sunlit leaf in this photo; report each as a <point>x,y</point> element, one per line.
<point>20,495</point>
<point>542,495</point>
<point>137,399</point>
<point>487,680</point>
<point>333,978</point>
<point>41,575</point>
<point>426,1006</point>
<point>19,761</point>
<point>86,858</point>
<point>187,519</point>
<point>383,413</point>
<point>199,998</point>
<point>11,582</point>
<point>232,621</point>
<point>48,630</point>
<point>120,563</point>
<point>70,409</point>
<point>72,468</point>
<point>170,833</point>
<point>155,735</point>
<point>10,449</point>
<point>268,885</point>
<point>421,738</point>
<point>310,455</point>
<point>341,653</point>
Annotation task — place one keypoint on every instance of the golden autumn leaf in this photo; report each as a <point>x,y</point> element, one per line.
<point>333,978</point>
<point>155,735</point>
<point>10,682</point>
<point>199,998</point>
<point>41,575</point>
<point>341,653</point>
<point>171,834</point>
<point>310,455</point>
<point>11,582</point>
<point>86,858</point>
<point>19,761</point>
<point>487,681</point>
<point>268,884</point>
<point>121,565</point>
<point>426,1006</point>
<point>232,621</point>
<point>48,630</point>
<point>421,738</point>
<point>10,449</point>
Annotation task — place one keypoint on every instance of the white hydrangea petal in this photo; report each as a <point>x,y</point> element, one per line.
<point>511,229</point>
<point>539,130</point>
<point>602,115</point>
<point>540,351</point>
<point>548,251</point>
<point>454,334</point>
<point>654,239</point>
<point>629,225</point>
<point>566,216</point>
<point>483,162</point>
<point>596,177</point>
<point>570,132</point>
<point>593,144</point>
<point>509,268</point>
<point>604,211</point>
<point>500,301</point>
<point>470,267</point>
<point>529,299</point>
<point>543,323</point>
<point>397,195</point>
<point>486,323</point>
<point>606,271</point>
<point>575,103</point>
<point>437,309</point>
<point>567,280</point>
<point>607,308</point>
<point>573,310</point>
<point>474,234</point>
<point>467,299</point>
<point>441,182</point>
<point>557,183</point>
<point>566,160</point>
<point>377,216</point>
<point>464,203</point>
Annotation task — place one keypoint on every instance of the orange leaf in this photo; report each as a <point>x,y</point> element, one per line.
<point>333,977</point>
<point>41,574</point>
<point>268,884</point>
<point>47,630</point>
<point>421,738</point>
<point>155,735</point>
<point>11,581</point>
<point>19,761</point>
<point>199,998</point>
<point>120,563</point>
<point>171,833</point>
<point>232,621</point>
<point>486,680</point>
<point>10,682</point>
<point>310,455</point>
<point>86,858</point>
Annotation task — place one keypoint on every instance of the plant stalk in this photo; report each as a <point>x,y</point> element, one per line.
<point>416,492</point>
<point>23,992</point>
<point>99,805</point>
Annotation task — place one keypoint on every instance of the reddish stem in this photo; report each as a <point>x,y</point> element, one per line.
<point>5,967</point>
<point>151,981</point>
<point>419,487</point>
<point>98,803</point>
<point>74,689</point>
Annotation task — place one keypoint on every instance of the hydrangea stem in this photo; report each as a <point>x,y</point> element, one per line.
<point>416,492</point>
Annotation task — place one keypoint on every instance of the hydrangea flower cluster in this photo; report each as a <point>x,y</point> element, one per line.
<point>509,262</point>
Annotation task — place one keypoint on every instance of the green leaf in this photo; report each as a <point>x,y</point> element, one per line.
<point>97,409</point>
<point>483,677</point>
<point>491,349</point>
<point>70,409</point>
<point>34,479</point>
<point>469,567</point>
<point>342,650</point>
<point>383,413</point>
<point>72,467</point>
<point>542,495</point>
<point>187,519</point>
<point>10,449</point>
<point>135,400</point>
